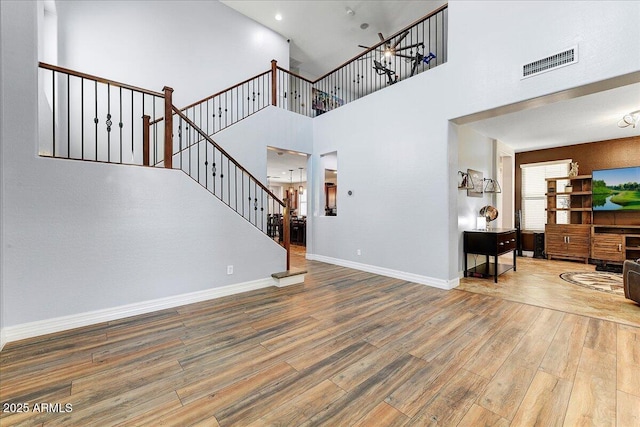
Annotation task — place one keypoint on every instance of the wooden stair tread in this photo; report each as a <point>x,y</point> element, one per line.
<point>288,273</point>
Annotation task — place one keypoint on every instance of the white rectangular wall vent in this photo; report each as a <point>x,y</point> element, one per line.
<point>560,59</point>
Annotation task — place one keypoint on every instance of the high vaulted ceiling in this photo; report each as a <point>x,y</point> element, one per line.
<point>323,34</point>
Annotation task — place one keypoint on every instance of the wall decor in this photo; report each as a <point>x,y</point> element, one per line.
<point>323,102</point>
<point>477,178</point>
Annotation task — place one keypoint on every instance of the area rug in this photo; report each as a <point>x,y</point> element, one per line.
<point>598,280</point>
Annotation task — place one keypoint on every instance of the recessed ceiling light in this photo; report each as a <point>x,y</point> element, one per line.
<point>364,26</point>
<point>278,17</point>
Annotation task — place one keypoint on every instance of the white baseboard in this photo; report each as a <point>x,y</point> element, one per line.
<point>396,274</point>
<point>48,326</point>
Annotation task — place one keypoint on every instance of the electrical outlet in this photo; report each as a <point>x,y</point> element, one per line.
<point>358,252</point>
<point>229,269</point>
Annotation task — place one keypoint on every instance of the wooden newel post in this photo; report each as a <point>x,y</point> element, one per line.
<point>168,127</point>
<point>274,79</point>
<point>286,225</point>
<point>145,139</point>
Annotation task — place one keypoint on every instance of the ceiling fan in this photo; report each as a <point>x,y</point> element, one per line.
<point>392,47</point>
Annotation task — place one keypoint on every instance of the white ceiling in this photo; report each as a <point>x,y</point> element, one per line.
<point>279,164</point>
<point>323,36</point>
<point>586,118</point>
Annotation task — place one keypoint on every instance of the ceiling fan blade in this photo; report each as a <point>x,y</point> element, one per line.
<point>411,46</point>
<point>364,47</point>
<point>381,37</point>
<point>401,37</point>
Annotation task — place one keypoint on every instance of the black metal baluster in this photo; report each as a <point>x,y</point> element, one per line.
<point>155,135</point>
<point>226,111</point>
<point>228,183</point>
<point>242,194</point>
<point>180,140</point>
<point>260,220</point>
<point>120,125</point>
<point>249,198</point>
<point>213,169</point>
<point>255,203</point>
<point>95,119</point>
<point>82,118</point>
<point>436,33</point>
<point>221,177</point>
<point>68,116</point>
<point>53,110</point>
<point>235,184</point>
<point>206,162</point>
<point>133,134</point>
<point>108,123</point>
<point>143,112</point>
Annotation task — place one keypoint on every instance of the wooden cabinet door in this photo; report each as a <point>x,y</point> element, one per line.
<point>555,242</point>
<point>578,240</point>
<point>607,247</point>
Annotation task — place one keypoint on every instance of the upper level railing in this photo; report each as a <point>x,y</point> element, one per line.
<point>412,50</point>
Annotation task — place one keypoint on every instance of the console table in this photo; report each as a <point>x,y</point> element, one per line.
<point>491,242</point>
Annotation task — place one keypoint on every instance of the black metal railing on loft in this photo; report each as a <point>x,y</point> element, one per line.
<point>411,51</point>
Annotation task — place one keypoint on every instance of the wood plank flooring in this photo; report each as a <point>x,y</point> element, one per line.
<point>346,348</point>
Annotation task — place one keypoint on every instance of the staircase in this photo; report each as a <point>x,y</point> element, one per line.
<point>95,119</point>
<point>100,120</point>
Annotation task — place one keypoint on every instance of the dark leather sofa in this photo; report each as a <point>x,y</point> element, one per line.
<point>631,278</point>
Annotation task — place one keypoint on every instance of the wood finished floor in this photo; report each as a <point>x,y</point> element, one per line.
<point>347,348</point>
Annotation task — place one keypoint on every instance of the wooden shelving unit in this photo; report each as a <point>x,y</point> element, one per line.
<point>569,239</point>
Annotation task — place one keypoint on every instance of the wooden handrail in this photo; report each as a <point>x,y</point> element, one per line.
<point>98,79</point>
<point>225,90</point>
<point>234,161</point>
<point>295,75</point>
<point>424,18</point>
<point>215,94</point>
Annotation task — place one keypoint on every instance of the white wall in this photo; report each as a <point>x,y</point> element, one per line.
<point>2,190</point>
<point>392,154</point>
<point>196,47</point>
<point>79,237</point>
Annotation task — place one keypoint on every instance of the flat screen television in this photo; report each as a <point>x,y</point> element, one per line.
<point>616,189</point>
